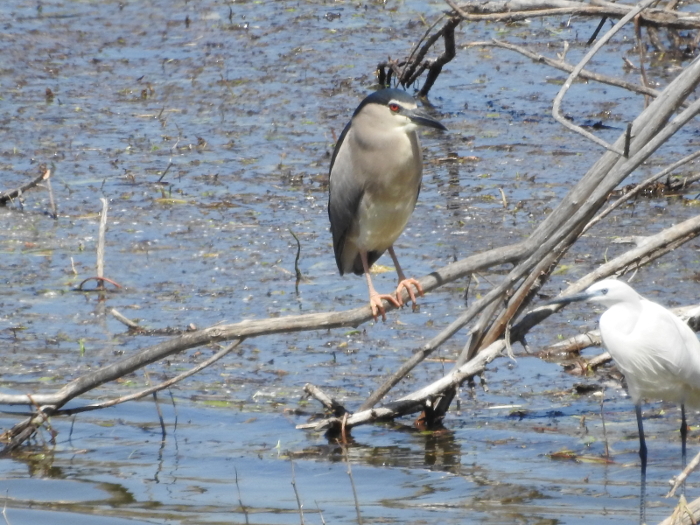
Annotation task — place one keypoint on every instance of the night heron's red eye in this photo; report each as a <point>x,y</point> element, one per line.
<point>394,107</point>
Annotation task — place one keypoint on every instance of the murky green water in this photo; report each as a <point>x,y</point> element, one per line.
<point>209,126</point>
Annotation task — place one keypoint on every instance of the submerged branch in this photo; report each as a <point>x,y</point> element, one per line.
<point>9,195</point>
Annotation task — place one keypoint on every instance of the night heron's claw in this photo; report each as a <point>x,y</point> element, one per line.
<point>406,283</point>
<point>375,303</point>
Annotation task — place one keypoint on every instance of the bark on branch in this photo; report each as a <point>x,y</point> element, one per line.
<point>515,10</point>
<point>9,195</point>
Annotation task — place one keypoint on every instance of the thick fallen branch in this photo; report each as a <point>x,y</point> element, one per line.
<point>246,329</point>
<point>565,223</point>
<point>416,401</point>
<point>515,10</point>
<point>654,247</point>
<point>156,388</point>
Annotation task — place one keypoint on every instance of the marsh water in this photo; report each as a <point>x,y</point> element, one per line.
<point>208,126</point>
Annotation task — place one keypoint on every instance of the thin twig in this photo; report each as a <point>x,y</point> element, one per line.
<point>137,395</point>
<point>684,475</point>
<point>628,139</point>
<point>602,418</point>
<point>240,500</point>
<point>402,77</point>
<point>320,513</point>
<point>158,410</point>
<point>597,30</point>
<point>566,66</point>
<point>101,243</point>
<point>640,48</point>
<point>124,320</point>
<point>598,360</point>
<point>556,108</point>
<point>170,165</point>
<point>352,484</point>
<point>100,280</point>
<point>328,402</point>
<point>296,493</point>
<point>4,508</point>
<point>297,271</point>
<point>52,202</point>
<point>640,187</point>
<point>174,405</point>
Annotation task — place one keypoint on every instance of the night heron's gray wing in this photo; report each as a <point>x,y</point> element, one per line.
<point>344,197</point>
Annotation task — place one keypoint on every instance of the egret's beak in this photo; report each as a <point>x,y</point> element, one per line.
<point>573,298</point>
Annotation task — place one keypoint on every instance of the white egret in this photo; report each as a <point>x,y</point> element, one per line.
<point>657,352</point>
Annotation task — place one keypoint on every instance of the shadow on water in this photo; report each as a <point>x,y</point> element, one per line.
<point>208,127</point>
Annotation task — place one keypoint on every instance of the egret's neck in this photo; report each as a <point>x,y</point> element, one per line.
<point>622,317</point>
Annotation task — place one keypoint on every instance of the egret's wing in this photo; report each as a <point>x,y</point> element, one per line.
<point>672,344</point>
<point>344,196</point>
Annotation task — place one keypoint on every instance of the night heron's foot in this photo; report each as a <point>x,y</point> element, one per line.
<point>375,302</point>
<point>406,283</point>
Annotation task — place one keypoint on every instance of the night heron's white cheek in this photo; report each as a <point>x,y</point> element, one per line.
<point>409,126</point>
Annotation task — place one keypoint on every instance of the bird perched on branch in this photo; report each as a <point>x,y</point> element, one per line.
<point>375,178</point>
<point>657,352</point>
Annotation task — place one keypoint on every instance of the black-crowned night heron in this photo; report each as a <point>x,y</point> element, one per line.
<point>375,179</point>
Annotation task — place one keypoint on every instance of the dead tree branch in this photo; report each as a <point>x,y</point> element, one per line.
<point>565,66</point>
<point>640,188</point>
<point>9,195</point>
<point>408,71</point>
<point>532,260</point>
<point>661,243</point>
<point>414,67</point>
<point>556,109</point>
<point>516,10</point>
<point>565,223</point>
<point>246,329</point>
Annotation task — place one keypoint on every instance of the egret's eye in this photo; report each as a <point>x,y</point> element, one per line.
<point>604,291</point>
<point>394,107</point>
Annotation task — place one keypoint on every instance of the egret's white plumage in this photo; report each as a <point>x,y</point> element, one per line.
<point>657,352</point>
